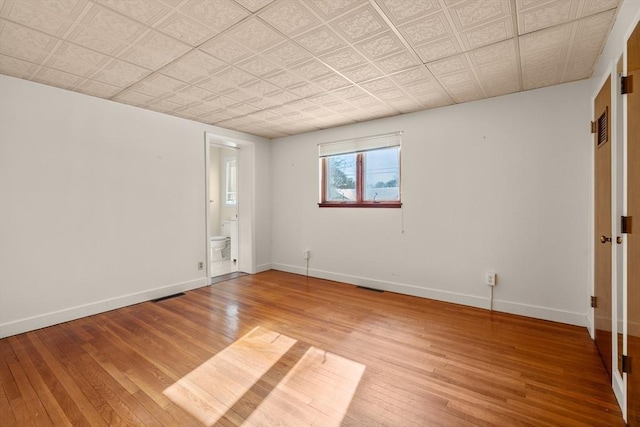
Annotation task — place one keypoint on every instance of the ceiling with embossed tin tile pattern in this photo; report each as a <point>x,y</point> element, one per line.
<point>281,67</point>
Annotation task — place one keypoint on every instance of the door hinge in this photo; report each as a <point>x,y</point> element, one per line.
<point>625,224</point>
<point>594,302</point>
<point>626,364</point>
<point>593,127</point>
<point>626,85</point>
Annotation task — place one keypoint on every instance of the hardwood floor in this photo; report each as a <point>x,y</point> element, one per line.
<point>280,349</point>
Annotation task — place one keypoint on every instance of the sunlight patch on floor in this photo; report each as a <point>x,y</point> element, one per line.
<point>211,389</point>
<point>317,390</point>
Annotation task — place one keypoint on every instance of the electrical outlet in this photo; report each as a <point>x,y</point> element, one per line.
<point>490,279</point>
<point>306,254</point>
<point>201,265</point>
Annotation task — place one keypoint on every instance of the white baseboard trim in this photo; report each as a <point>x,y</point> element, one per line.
<point>590,324</point>
<point>544,313</point>
<point>53,318</point>
<point>263,267</point>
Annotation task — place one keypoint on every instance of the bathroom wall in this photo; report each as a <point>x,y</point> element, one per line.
<point>227,212</point>
<point>215,185</point>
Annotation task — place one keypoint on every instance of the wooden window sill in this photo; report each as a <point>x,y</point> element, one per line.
<point>360,205</point>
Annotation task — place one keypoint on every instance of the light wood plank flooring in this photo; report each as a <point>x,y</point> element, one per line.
<point>280,349</point>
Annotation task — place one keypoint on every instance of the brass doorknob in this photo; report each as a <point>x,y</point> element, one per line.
<point>604,239</point>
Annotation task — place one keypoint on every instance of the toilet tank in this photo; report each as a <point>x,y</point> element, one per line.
<point>226,228</point>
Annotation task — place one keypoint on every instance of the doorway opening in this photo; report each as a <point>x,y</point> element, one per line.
<point>223,210</point>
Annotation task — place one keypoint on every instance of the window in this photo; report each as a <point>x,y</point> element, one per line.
<point>230,181</point>
<point>361,173</point>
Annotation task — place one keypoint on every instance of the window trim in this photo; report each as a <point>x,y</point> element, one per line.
<point>360,202</point>
<point>227,181</point>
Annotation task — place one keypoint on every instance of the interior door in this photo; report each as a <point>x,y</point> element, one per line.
<point>633,238</point>
<point>602,252</point>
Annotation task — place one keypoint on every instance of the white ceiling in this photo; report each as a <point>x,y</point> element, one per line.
<point>275,68</point>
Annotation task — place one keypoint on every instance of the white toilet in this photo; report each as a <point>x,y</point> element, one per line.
<point>220,243</point>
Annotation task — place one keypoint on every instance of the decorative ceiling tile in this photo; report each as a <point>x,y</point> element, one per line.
<point>332,82</point>
<point>312,69</point>
<point>362,73</point>
<point>255,35</point>
<point>120,73</point>
<point>494,53</point>
<point>287,54</point>
<point>133,98</point>
<point>500,87</point>
<point>158,86</point>
<point>218,15</point>
<point>98,89</point>
<point>145,11</point>
<point>435,99</point>
<point>305,90</point>
<point>289,17</point>
<point>226,49</point>
<point>399,61</point>
<point>16,67</point>
<point>546,15</point>
<point>546,39</point>
<point>163,106</point>
<point>329,9</point>
<point>258,66</point>
<point>487,34</point>
<point>439,49</point>
<point>413,75</point>
<point>76,59</point>
<point>24,43</point>
<point>219,61</point>
<point>185,29</point>
<point>379,46</point>
<point>97,41</point>
<point>320,41</point>
<point>449,65</point>
<point>534,77</point>
<point>261,88</point>
<point>423,87</point>
<point>426,29</point>
<point>466,92</point>
<point>596,6</point>
<point>254,5</point>
<point>285,79</point>
<point>343,58</point>
<point>350,92</point>
<point>359,24</point>
<point>66,8</point>
<point>105,22</point>
<point>472,13</point>
<point>32,15</point>
<point>596,26</point>
<point>378,85</point>
<point>400,11</point>
<point>193,66</point>
<point>263,103</point>
<point>57,78</point>
<point>155,50</point>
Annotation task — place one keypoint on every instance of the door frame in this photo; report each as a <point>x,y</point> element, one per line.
<point>245,200</point>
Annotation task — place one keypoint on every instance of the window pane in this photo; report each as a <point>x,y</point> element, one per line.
<point>341,178</point>
<point>382,175</point>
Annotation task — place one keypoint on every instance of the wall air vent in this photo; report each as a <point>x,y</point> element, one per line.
<point>603,128</point>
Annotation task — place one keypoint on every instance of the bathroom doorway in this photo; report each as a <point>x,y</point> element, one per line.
<point>223,209</point>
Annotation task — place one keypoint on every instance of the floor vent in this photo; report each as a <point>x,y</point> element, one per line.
<point>167,297</point>
<point>370,289</point>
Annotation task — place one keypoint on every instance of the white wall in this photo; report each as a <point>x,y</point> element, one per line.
<point>101,204</point>
<point>499,184</point>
